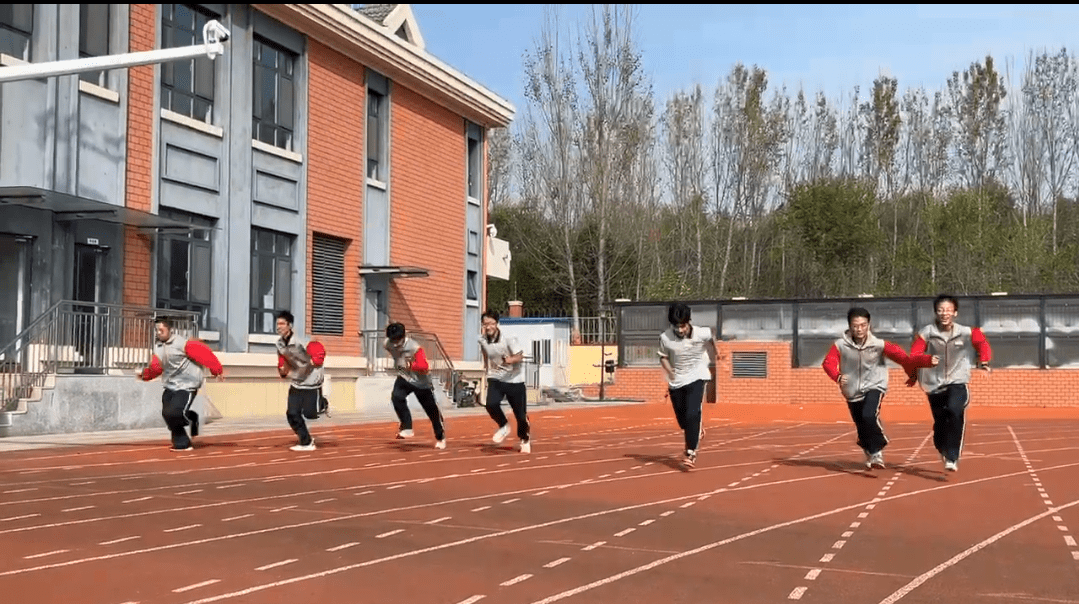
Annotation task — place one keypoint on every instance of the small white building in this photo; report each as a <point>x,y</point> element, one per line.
<point>546,346</point>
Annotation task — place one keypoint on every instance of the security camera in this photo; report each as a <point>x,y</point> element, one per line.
<point>492,230</point>
<point>214,32</point>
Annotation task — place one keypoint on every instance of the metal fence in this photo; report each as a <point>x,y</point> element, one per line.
<point>82,337</point>
<point>1024,331</point>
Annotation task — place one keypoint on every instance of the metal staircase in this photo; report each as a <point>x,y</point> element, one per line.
<point>446,378</point>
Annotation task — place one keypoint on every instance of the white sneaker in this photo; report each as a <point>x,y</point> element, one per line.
<point>526,446</point>
<point>307,447</point>
<point>951,466</point>
<point>441,444</point>
<point>868,459</point>
<point>405,434</point>
<point>501,434</point>
<point>877,459</point>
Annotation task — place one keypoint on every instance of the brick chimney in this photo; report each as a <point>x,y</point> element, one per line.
<point>516,309</point>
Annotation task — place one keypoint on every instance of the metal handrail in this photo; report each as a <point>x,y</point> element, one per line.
<point>81,337</point>
<point>442,368</point>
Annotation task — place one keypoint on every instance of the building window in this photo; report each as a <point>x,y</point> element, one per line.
<point>473,285</point>
<point>475,166</point>
<point>271,277</point>
<point>328,285</point>
<point>94,38</point>
<point>184,266</point>
<point>473,243</point>
<point>187,87</point>
<point>274,89</point>
<point>376,118</point>
<point>16,29</point>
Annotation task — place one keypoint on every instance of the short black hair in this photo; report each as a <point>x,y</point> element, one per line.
<point>164,320</point>
<point>945,298</point>
<point>490,314</point>
<point>679,313</point>
<point>857,311</point>
<point>286,315</point>
<point>395,331</point>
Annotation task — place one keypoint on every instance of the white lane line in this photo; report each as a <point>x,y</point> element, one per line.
<point>79,509</point>
<point>180,528</point>
<point>52,553</point>
<point>338,548</point>
<point>195,586</point>
<point>390,533</point>
<point>136,500</point>
<point>23,517</point>
<point>186,492</point>
<point>813,574</point>
<point>276,564</point>
<point>230,519</point>
<point>471,600</point>
<point>555,563</point>
<point>797,593</point>
<point>437,520</point>
<point>120,540</point>
<point>481,508</point>
<point>516,580</point>
<point>624,533</point>
<point>589,548</point>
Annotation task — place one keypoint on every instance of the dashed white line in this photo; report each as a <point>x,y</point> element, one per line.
<point>326,500</point>
<point>813,574</point>
<point>647,522</point>
<point>231,486</point>
<point>79,509</point>
<point>195,586</point>
<point>797,593</point>
<point>847,534</point>
<point>23,517</point>
<point>395,486</point>
<point>667,513</point>
<point>437,520</point>
<point>287,507</point>
<point>471,600</point>
<point>390,533</point>
<point>624,533</point>
<point>52,553</point>
<point>338,548</point>
<point>555,563</point>
<point>511,500</point>
<point>481,508</point>
<point>120,540</point>
<point>236,517</point>
<point>516,580</point>
<point>180,528</point>
<point>827,557</point>
<point>136,500</point>
<point>365,493</point>
<point>184,493</point>
<point>19,491</point>
<point>540,493</point>
<point>589,548</point>
<point>276,564</point>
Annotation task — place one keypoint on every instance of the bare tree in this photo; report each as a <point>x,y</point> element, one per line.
<point>613,77</point>
<point>977,97</point>
<point>683,128</point>
<point>549,155</point>
<point>883,121</point>
<point>499,166</point>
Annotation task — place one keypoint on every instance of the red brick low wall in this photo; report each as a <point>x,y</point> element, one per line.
<point>806,386</point>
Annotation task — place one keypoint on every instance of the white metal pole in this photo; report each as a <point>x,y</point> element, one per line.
<point>213,33</point>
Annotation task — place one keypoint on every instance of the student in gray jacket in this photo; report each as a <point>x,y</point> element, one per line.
<point>179,362</point>
<point>301,362</point>
<point>955,349</point>
<point>413,377</point>
<point>856,362</point>
<point>502,357</point>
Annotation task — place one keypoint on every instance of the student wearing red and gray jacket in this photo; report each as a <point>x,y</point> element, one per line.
<point>301,362</point>
<point>180,362</point>
<point>953,348</point>
<point>856,362</point>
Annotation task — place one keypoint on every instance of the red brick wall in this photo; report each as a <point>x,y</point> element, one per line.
<point>809,385</point>
<point>140,123</point>
<point>335,184</point>
<point>427,223</point>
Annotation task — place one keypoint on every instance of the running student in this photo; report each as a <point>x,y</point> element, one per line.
<point>685,351</point>
<point>856,362</point>
<point>413,377</point>
<point>301,361</point>
<point>954,349</point>
<point>502,356</point>
<point>179,362</point>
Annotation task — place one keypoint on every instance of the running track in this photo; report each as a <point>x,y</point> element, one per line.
<point>778,509</point>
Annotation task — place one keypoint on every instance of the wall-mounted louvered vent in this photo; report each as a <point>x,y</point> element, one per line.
<point>328,285</point>
<point>749,364</point>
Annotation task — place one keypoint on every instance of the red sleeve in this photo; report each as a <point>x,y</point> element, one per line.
<point>897,354</point>
<point>831,363</point>
<point>282,367</point>
<point>201,354</point>
<point>917,350</point>
<point>981,345</point>
<point>419,364</point>
<point>153,370</point>
<point>317,353</point>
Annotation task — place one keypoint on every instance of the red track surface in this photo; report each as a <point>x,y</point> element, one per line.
<point>778,509</point>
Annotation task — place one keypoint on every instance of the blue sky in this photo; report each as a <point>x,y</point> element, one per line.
<point>821,47</point>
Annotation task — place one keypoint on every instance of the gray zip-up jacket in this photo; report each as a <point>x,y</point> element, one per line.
<point>303,359</point>
<point>863,364</point>
<point>411,363</point>
<point>956,348</point>
<point>179,362</point>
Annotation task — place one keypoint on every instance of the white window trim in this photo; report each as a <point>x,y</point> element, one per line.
<point>183,120</point>
<point>10,61</point>
<point>99,91</point>
<point>472,200</point>
<point>278,151</point>
<point>262,338</point>
<point>377,184</point>
<point>472,303</point>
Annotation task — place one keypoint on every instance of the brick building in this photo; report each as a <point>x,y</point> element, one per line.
<point>325,163</point>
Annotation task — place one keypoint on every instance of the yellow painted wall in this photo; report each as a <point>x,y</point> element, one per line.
<point>581,361</point>
<point>253,397</point>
